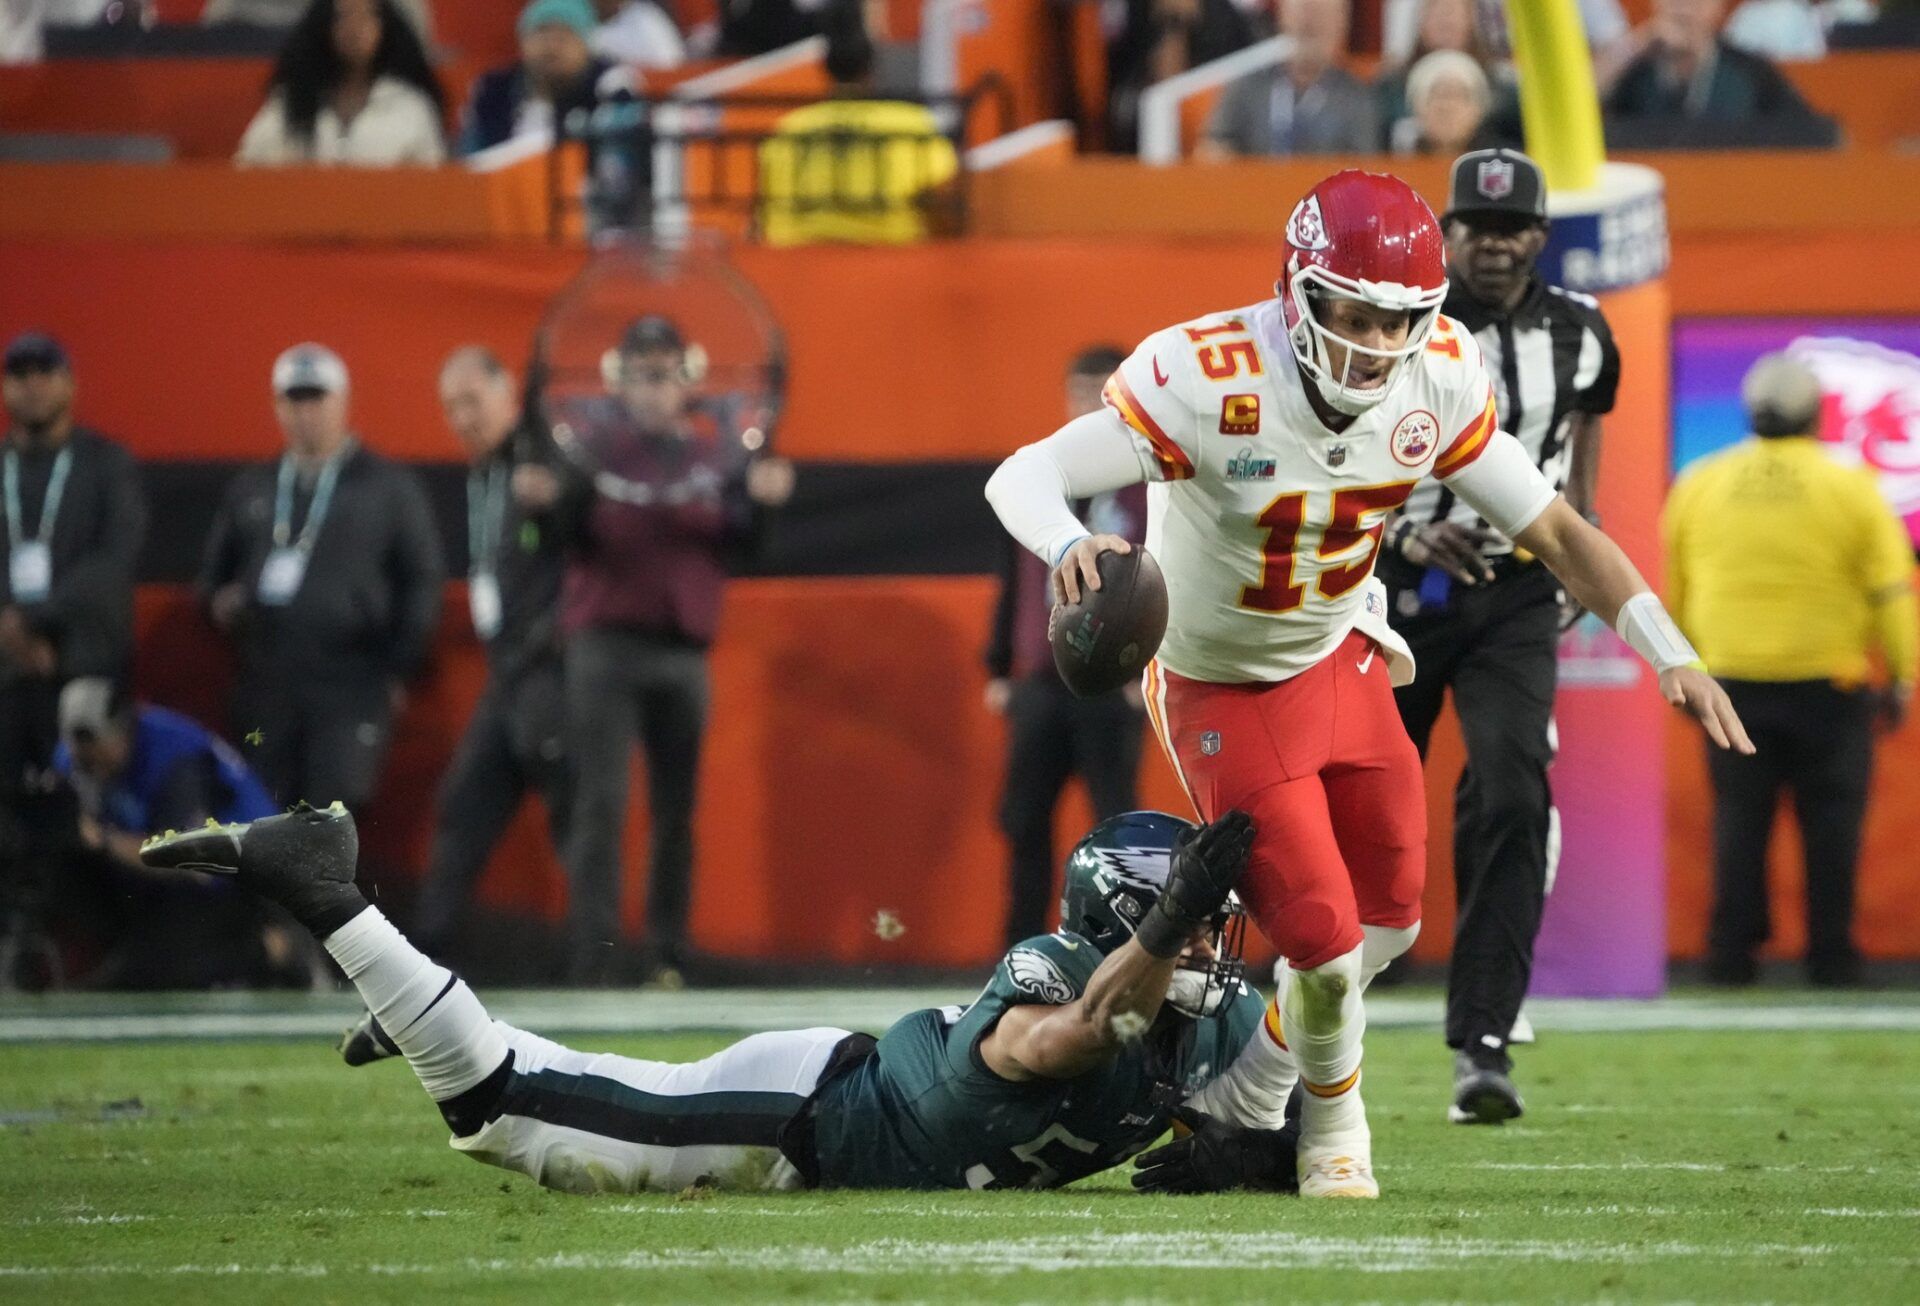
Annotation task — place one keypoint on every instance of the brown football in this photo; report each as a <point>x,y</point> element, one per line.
<point>1108,637</point>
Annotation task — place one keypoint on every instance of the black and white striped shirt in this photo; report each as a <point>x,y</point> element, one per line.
<point>1550,358</point>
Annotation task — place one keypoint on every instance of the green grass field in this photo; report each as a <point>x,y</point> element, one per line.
<point>1669,1166</point>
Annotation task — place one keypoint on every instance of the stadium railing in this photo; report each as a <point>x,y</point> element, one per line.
<point>668,163</point>
<point>1162,105</point>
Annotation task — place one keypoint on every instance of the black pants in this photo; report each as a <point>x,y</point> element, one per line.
<point>1052,736</point>
<point>515,741</point>
<point>1495,647</point>
<point>623,685</point>
<point>314,740</point>
<point>1815,742</point>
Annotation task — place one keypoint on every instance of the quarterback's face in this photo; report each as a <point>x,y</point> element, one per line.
<point>1352,322</point>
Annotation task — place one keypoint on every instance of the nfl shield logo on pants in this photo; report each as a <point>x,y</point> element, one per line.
<point>1495,179</point>
<point>1210,743</point>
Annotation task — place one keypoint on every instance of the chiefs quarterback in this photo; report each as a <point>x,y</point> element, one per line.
<point>1277,438</point>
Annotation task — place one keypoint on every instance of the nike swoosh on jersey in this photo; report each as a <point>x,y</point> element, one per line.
<point>1158,375</point>
<point>1367,661</point>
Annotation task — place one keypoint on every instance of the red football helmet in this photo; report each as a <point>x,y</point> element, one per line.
<point>1365,236</point>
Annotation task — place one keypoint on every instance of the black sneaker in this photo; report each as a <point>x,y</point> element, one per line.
<point>365,1042</point>
<point>303,859</point>
<point>1483,1091</point>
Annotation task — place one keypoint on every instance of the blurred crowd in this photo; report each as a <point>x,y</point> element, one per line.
<point>360,82</point>
<point>323,573</point>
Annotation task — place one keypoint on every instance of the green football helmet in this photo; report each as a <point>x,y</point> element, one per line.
<point>1115,874</point>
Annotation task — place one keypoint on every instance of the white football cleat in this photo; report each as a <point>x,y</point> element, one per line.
<point>1337,1172</point>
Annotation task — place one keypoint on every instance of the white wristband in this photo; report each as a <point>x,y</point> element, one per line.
<point>1649,631</point>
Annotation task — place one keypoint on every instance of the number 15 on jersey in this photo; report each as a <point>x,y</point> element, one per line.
<point>1354,516</point>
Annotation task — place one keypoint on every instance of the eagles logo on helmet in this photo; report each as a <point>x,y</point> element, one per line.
<point>1113,877</point>
<point>1364,236</point>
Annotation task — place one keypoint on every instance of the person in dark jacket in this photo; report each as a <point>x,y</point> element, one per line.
<point>639,607</point>
<point>137,770</point>
<point>1688,76</point>
<point>325,571</point>
<point>1051,735</point>
<point>516,737</point>
<point>76,516</point>
<point>558,73</point>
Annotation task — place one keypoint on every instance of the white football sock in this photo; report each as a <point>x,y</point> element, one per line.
<point>428,1012</point>
<point>1254,1090</point>
<point>1325,1023</point>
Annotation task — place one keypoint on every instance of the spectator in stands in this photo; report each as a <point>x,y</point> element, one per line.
<point>23,24</point>
<point>1158,39</point>
<point>285,13</point>
<point>1305,105</point>
<point>352,86</point>
<point>639,607</point>
<point>558,73</point>
<point>76,516</point>
<point>1442,25</point>
<point>1052,735</point>
<point>854,169</point>
<point>637,32</point>
<point>1788,571</point>
<point>137,770</point>
<point>325,572</point>
<point>1450,97</point>
<point>1687,74</point>
<point>516,738</point>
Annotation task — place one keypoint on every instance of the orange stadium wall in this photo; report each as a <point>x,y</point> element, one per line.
<point>850,768</point>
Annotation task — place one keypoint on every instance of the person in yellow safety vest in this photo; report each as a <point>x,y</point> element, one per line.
<point>1788,570</point>
<point>853,169</point>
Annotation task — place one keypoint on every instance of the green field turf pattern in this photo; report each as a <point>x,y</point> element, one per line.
<point>1676,1166</point>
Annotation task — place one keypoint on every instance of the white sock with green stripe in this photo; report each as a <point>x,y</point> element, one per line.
<point>428,1011</point>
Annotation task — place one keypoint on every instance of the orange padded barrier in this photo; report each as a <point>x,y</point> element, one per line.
<point>904,354</point>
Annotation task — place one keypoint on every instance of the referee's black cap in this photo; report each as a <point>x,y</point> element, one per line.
<point>1496,181</point>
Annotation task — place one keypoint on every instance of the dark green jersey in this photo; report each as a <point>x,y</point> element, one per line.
<point>925,1112</point>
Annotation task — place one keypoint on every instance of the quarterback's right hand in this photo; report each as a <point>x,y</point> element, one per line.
<point>1452,548</point>
<point>1206,866</point>
<point>1082,563</point>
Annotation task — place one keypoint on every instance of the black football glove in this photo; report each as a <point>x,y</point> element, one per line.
<point>1206,866</point>
<point>1217,1157</point>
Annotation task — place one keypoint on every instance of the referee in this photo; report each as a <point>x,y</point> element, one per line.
<point>1789,570</point>
<point>1484,619</point>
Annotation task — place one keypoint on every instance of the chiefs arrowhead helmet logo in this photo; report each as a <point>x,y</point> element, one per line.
<point>1306,229</point>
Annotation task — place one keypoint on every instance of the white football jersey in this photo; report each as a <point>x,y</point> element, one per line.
<point>1265,522</point>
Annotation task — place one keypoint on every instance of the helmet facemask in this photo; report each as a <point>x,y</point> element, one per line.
<point>1203,988</point>
<point>1310,285</point>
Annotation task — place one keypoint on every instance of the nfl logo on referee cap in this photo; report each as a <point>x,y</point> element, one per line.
<point>1494,178</point>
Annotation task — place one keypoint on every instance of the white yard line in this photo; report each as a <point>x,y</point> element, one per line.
<point>744,1010</point>
<point>1061,1253</point>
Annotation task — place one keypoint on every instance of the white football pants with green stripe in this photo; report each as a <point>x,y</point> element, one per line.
<point>587,1122</point>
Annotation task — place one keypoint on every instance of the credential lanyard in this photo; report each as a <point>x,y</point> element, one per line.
<point>316,511</point>
<point>486,502</point>
<point>49,508</point>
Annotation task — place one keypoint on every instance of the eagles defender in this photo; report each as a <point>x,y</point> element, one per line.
<point>1276,439</point>
<point>1054,1072</point>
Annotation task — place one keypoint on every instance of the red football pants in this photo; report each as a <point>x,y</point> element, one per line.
<point>1325,768</point>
